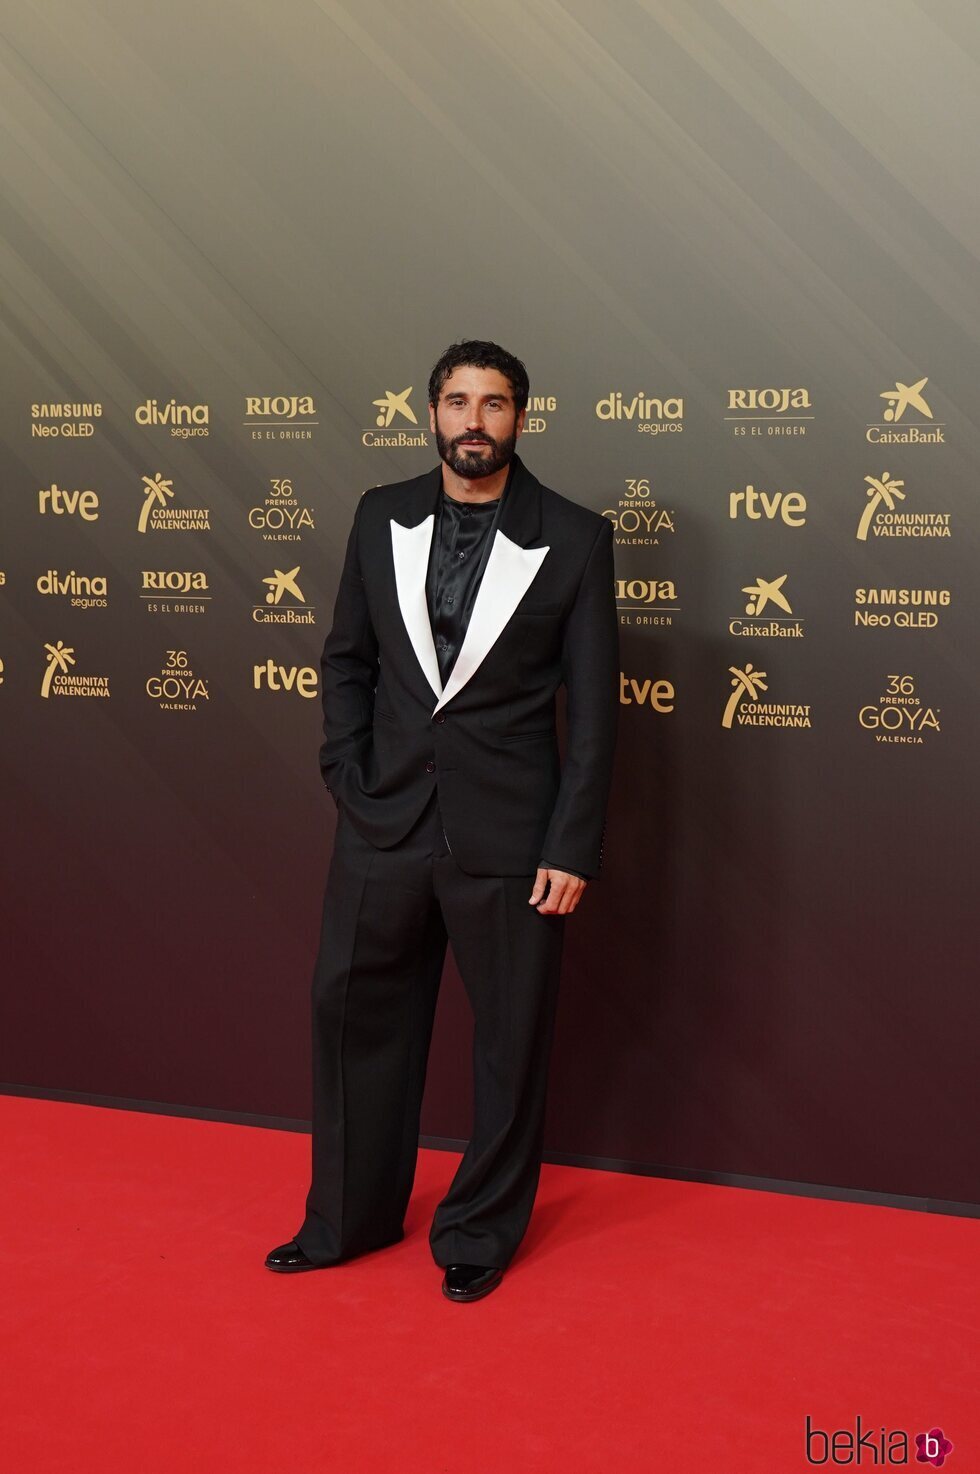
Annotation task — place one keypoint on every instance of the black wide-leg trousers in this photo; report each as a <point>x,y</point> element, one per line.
<point>387,917</point>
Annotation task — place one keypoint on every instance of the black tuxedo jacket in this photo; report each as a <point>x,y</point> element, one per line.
<point>544,614</point>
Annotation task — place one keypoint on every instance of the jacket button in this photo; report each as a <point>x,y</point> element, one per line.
<point>440,716</point>
<point>430,767</point>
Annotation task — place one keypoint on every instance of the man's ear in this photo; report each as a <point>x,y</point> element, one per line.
<point>519,422</point>
<point>432,418</point>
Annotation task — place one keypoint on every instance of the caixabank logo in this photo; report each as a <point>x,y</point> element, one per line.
<point>907,418</point>
<point>182,421</point>
<point>176,686</point>
<point>280,416</point>
<point>769,414</point>
<point>60,679</point>
<point>899,715</point>
<point>744,708</point>
<point>174,590</point>
<point>393,413</point>
<point>284,601</point>
<point>157,515</point>
<point>646,602</point>
<point>768,612</point>
<point>281,517</point>
<point>638,518</point>
<point>65,420</point>
<point>647,414</point>
<point>884,516</point>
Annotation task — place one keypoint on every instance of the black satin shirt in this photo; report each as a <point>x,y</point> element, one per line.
<point>461,543</point>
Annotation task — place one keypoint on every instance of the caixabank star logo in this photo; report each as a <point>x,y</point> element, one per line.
<point>284,602</point>
<point>769,612</point>
<point>907,418</point>
<point>393,411</point>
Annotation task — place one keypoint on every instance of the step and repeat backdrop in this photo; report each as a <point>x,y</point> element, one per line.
<point>736,245</point>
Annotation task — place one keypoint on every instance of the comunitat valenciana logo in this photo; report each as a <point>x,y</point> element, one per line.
<point>393,411</point>
<point>647,413</point>
<point>907,418</point>
<point>768,597</point>
<point>899,714</point>
<point>60,679</point>
<point>157,515</point>
<point>184,421</point>
<point>280,416</point>
<point>744,709</point>
<point>284,601</point>
<point>884,516</point>
<point>769,413</point>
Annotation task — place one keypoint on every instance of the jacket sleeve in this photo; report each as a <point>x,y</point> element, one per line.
<point>590,671</point>
<point>348,666</point>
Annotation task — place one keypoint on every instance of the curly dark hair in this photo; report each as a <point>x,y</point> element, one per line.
<point>474,353</point>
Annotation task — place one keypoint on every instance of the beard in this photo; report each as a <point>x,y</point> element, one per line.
<point>473,465</point>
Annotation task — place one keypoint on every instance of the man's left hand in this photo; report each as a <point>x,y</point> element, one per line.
<point>563,895</point>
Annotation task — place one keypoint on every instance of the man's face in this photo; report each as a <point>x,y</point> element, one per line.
<point>475,423</point>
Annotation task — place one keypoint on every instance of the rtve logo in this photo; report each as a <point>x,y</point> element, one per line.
<point>272,677</point>
<point>657,694</point>
<point>789,506</point>
<point>66,503</point>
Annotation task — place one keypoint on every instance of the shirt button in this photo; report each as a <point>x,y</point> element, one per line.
<point>460,555</point>
<point>430,767</point>
<point>440,716</point>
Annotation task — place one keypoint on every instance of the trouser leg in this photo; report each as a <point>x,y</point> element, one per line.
<point>375,986</point>
<point>509,958</point>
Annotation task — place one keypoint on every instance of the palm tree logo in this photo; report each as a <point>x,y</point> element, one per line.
<point>904,396</point>
<point>393,404</point>
<point>60,657</point>
<point>765,591</point>
<point>283,583</point>
<point>882,491</point>
<point>155,491</point>
<point>747,682</point>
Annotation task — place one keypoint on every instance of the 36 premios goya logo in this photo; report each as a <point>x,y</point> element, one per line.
<point>393,412</point>
<point>68,421</point>
<point>61,678</point>
<point>768,597</point>
<point>280,416</point>
<point>281,518</point>
<point>646,413</point>
<point>769,413</point>
<point>638,519</point>
<point>646,601</point>
<point>157,515</point>
<point>900,715</point>
<point>81,590</point>
<point>174,590</point>
<point>744,709</point>
<point>907,418</point>
<point>284,602</point>
<point>176,686</point>
<point>883,515</point>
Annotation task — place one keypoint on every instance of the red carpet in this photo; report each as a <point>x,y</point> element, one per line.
<point>645,1324</point>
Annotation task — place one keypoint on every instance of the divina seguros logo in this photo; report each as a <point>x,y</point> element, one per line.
<point>184,421</point>
<point>649,414</point>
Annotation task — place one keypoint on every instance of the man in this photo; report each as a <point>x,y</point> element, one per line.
<point>468,596</point>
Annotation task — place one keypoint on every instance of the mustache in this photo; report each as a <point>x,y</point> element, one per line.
<point>482,439</point>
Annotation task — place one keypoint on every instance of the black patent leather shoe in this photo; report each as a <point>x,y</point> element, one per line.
<point>470,1281</point>
<point>288,1259</point>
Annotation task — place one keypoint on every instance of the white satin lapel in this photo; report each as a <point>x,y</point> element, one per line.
<point>410,553</point>
<point>506,579</point>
